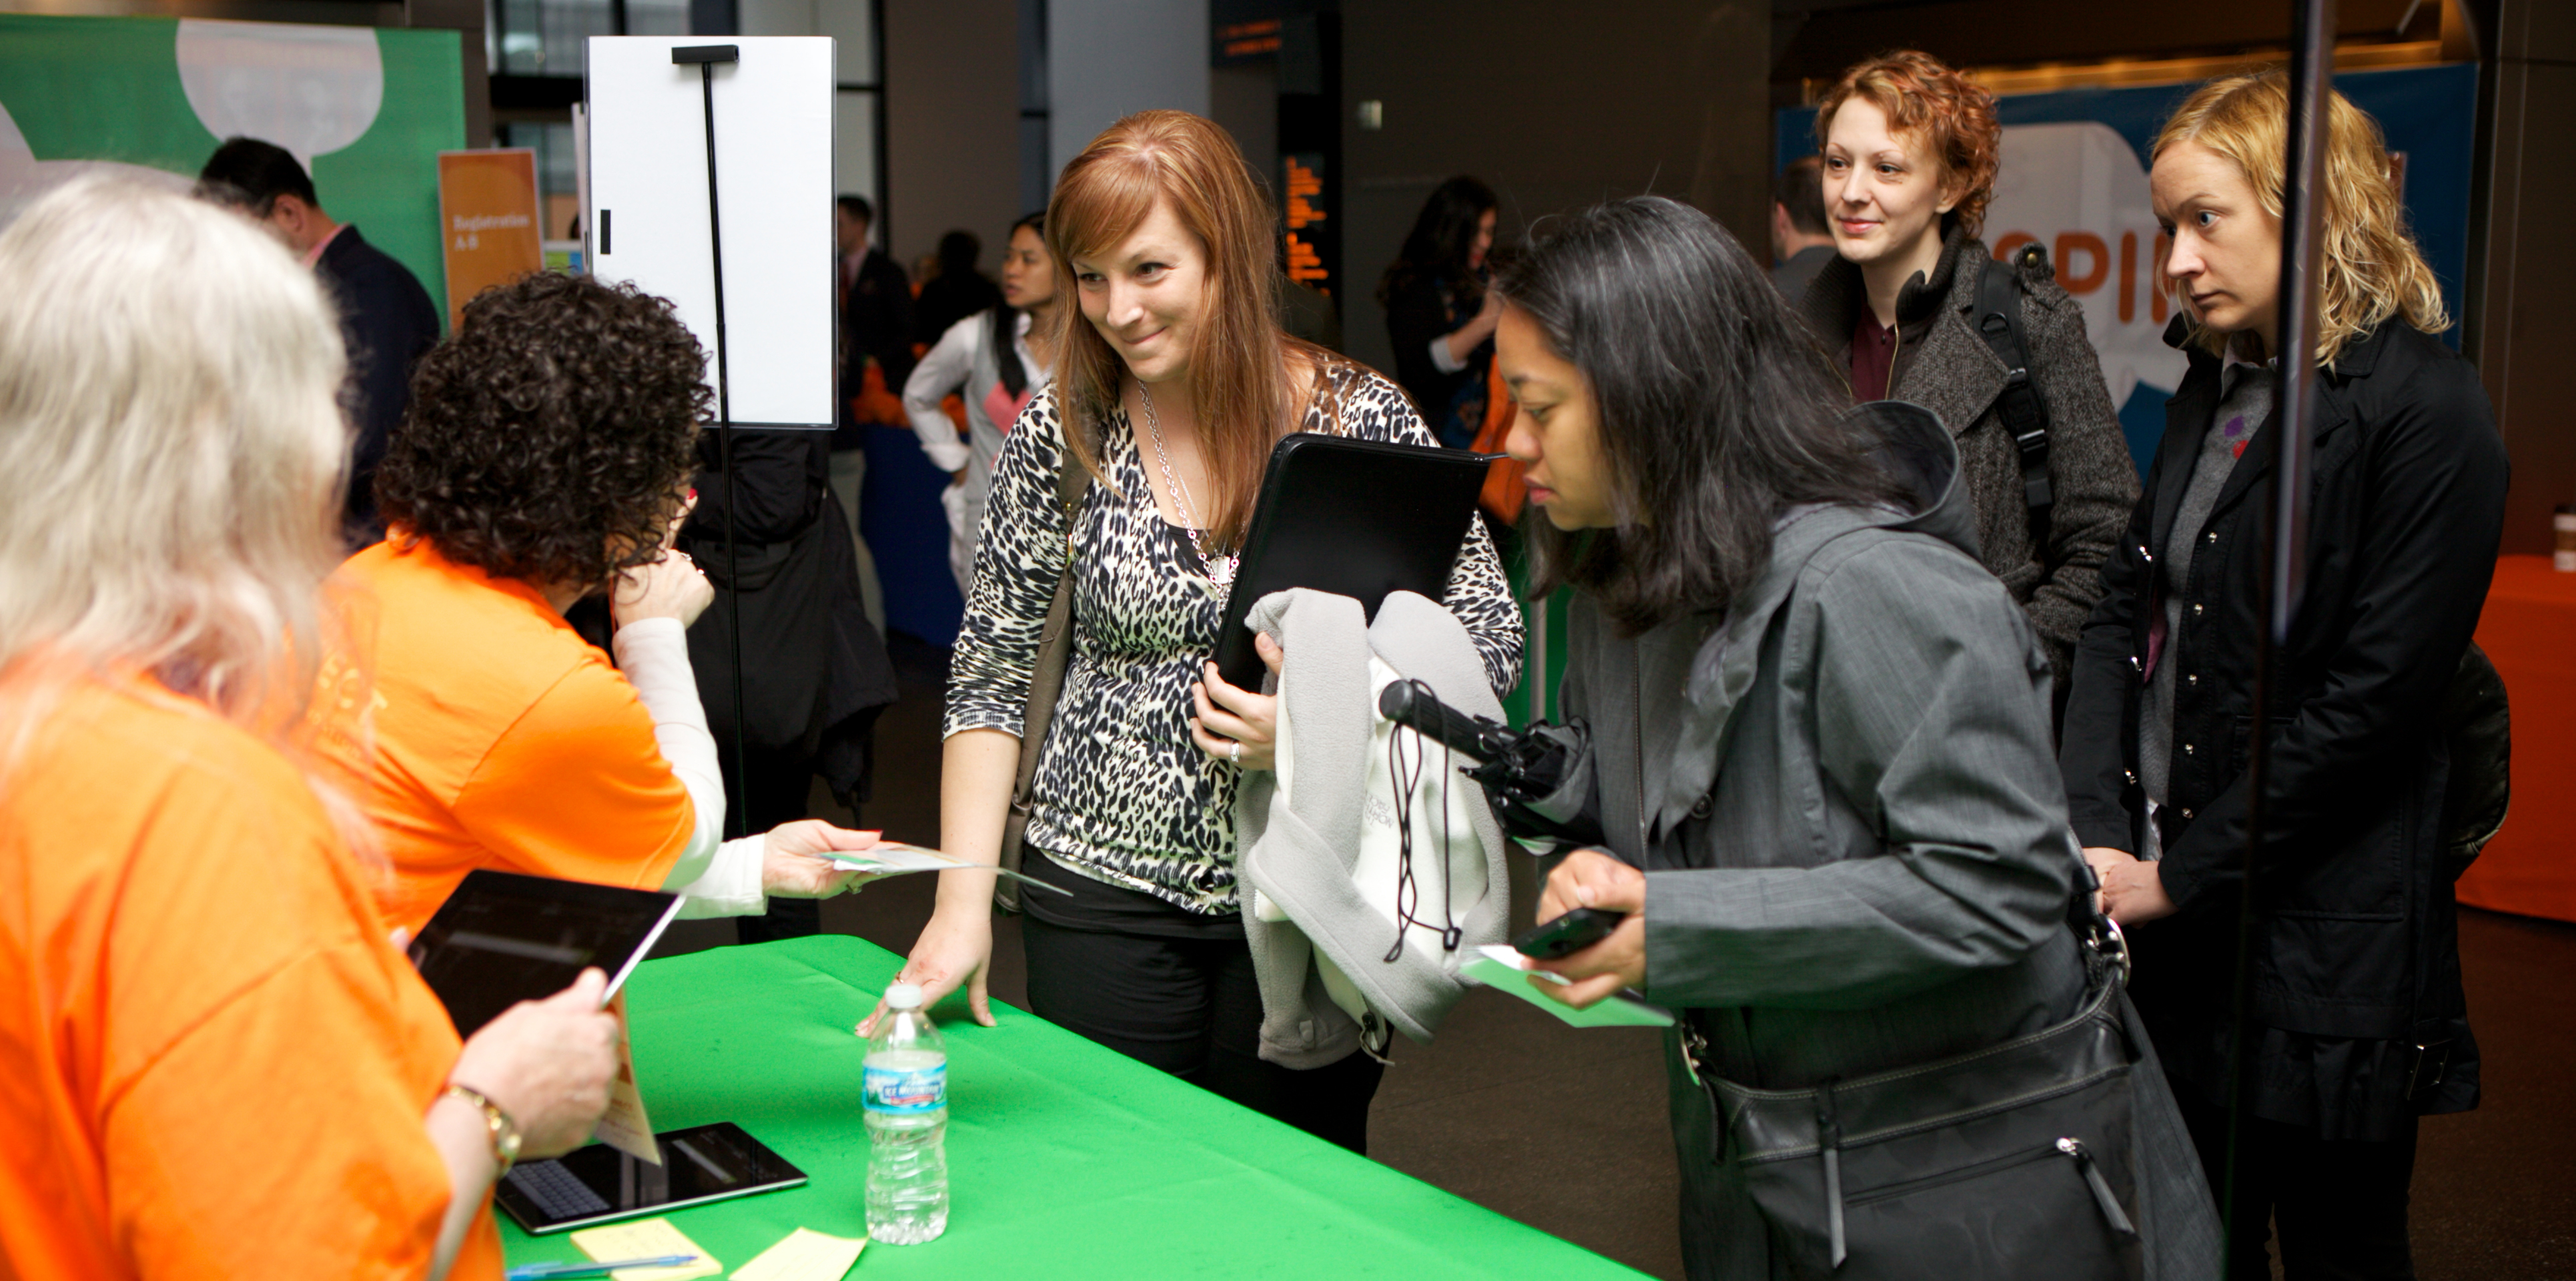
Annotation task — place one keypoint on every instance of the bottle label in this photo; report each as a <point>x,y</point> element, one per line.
<point>906,1091</point>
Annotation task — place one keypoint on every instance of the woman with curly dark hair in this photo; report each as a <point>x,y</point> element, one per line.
<point>546,458</point>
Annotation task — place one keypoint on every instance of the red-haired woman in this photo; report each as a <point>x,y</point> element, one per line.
<point>1910,153</point>
<point>1172,385</point>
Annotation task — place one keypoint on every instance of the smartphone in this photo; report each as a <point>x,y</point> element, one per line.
<point>1568,934</point>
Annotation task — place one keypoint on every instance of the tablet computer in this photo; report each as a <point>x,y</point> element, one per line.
<point>502,938</point>
<point>598,1183</point>
<point>1357,518</point>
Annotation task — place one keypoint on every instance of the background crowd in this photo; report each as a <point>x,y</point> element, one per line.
<point>316,614</point>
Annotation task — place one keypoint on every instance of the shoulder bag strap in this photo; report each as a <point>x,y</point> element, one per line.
<point>1046,683</point>
<point>2025,416</point>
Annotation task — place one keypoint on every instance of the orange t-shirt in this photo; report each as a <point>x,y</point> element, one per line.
<point>212,1061</point>
<point>494,736</point>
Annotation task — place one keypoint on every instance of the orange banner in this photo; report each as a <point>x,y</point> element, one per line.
<point>487,216</point>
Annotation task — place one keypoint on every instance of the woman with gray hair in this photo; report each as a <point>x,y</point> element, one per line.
<point>217,1061</point>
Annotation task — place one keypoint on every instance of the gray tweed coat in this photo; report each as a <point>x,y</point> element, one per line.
<point>1943,365</point>
<point>1854,836</point>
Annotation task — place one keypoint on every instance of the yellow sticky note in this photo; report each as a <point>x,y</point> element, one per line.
<point>645,1239</point>
<point>804,1255</point>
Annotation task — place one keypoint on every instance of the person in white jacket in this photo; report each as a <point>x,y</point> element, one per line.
<point>968,361</point>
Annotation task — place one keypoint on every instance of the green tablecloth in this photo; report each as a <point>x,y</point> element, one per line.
<point>1065,1160</point>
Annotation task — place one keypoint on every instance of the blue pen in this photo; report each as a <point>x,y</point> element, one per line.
<point>548,1271</point>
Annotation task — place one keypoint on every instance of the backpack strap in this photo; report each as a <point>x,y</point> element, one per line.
<point>2025,416</point>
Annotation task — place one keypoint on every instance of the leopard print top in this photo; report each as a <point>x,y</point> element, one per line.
<point>1121,794</point>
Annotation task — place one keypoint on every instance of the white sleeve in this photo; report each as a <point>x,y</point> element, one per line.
<point>1440,357</point>
<point>942,370</point>
<point>654,655</point>
<point>731,884</point>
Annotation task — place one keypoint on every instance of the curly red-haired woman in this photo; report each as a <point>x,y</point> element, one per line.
<point>1911,149</point>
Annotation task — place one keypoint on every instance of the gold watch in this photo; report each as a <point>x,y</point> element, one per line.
<point>505,1132</point>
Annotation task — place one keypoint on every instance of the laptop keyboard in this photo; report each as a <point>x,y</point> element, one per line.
<point>556,1190</point>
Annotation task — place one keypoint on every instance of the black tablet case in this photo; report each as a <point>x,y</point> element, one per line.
<point>502,938</point>
<point>1357,518</point>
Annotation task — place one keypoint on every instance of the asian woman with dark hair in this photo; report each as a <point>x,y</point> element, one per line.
<point>1821,760</point>
<point>996,360</point>
<point>1438,312</point>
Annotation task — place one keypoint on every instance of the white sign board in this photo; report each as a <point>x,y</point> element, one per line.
<point>647,219</point>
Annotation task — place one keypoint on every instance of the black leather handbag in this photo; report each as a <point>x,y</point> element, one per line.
<point>2011,1163</point>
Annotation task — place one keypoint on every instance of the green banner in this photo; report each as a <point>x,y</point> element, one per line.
<point>366,109</point>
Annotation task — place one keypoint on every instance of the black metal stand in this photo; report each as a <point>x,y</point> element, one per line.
<point>2283,574</point>
<point>705,57</point>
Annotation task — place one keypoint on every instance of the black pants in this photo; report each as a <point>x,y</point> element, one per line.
<point>1190,1007</point>
<point>2340,1204</point>
<point>780,783</point>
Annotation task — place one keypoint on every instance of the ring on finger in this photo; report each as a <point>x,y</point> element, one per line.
<point>1235,754</point>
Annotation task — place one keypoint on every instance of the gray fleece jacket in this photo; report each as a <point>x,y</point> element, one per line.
<point>1298,850</point>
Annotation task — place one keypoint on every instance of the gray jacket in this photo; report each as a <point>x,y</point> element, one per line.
<point>1855,841</point>
<point>1944,365</point>
<point>1298,850</point>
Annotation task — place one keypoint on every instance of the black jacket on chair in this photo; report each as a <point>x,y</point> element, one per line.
<point>876,320</point>
<point>388,324</point>
<point>2357,945</point>
<point>814,670</point>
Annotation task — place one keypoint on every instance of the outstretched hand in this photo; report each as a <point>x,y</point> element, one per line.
<point>955,950</point>
<point>792,863</point>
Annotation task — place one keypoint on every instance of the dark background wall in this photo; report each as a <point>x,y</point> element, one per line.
<point>2521,326</point>
<point>952,123</point>
<point>1555,105</point>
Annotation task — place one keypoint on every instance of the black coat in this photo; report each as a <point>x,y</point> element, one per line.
<point>946,299</point>
<point>876,320</point>
<point>814,670</point>
<point>2357,941</point>
<point>388,323</point>
<point>1452,404</point>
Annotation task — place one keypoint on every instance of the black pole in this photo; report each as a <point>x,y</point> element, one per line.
<point>2283,573</point>
<point>707,56</point>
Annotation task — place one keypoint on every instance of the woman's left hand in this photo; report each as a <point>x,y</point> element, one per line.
<point>2133,890</point>
<point>1236,725</point>
<point>1590,878</point>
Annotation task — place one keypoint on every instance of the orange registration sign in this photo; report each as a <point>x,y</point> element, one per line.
<point>487,216</point>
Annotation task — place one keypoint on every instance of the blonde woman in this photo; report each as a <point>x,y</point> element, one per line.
<point>216,1062</point>
<point>2358,1024</point>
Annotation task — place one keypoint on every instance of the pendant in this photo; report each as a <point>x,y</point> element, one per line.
<point>1221,568</point>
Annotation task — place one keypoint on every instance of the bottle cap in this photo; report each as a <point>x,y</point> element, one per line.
<point>903,996</point>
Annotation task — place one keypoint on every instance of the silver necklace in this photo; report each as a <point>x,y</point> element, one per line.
<point>1220,570</point>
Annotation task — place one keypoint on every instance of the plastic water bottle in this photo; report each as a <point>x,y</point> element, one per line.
<point>907,1109</point>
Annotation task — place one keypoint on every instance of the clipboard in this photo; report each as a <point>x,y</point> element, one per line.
<point>1357,518</point>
